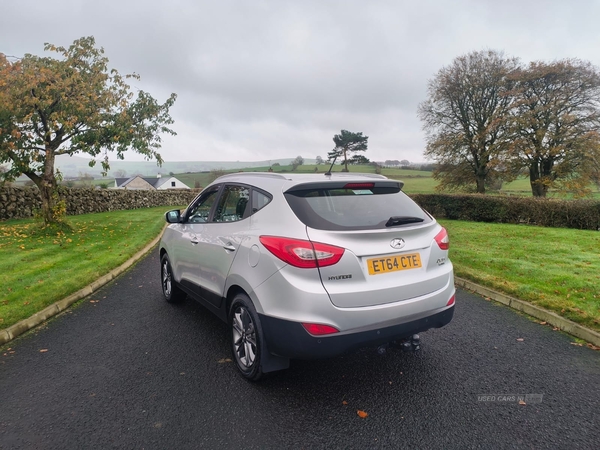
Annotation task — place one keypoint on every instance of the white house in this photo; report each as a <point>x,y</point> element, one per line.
<point>142,183</point>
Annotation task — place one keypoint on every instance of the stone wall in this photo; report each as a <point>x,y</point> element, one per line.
<point>22,202</point>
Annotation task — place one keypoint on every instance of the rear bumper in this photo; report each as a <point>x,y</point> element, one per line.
<point>290,339</point>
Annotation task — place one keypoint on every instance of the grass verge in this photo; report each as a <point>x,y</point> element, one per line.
<point>39,266</point>
<point>555,268</point>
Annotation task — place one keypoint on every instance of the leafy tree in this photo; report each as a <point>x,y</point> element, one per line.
<point>120,173</point>
<point>347,143</point>
<point>319,160</point>
<point>71,105</point>
<point>405,162</point>
<point>297,162</point>
<point>556,126</point>
<point>359,159</point>
<point>466,118</point>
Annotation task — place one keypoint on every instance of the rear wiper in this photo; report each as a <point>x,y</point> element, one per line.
<point>402,220</point>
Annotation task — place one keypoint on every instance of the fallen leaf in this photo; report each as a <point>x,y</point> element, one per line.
<point>224,360</point>
<point>43,350</point>
<point>344,402</point>
<point>543,323</point>
<point>361,414</point>
<point>577,344</point>
<point>520,339</point>
<point>521,402</point>
<point>593,347</point>
<point>555,329</point>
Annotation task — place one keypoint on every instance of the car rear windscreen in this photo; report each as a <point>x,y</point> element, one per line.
<point>356,208</point>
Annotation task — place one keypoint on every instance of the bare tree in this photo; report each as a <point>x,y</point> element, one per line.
<point>556,126</point>
<point>466,118</point>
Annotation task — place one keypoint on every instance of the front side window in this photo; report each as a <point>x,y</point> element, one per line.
<point>200,212</point>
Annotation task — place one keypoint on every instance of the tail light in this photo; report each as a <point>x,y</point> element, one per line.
<point>317,329</point>
<point>442,239</point>
<point>301,253</point>
<point>451,301</point>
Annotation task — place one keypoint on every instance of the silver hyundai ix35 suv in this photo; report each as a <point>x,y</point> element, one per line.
<point>308,266</point>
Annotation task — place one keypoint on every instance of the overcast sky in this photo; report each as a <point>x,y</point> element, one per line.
<point>260,80</point>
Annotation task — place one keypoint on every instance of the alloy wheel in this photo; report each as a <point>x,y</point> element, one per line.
<point>244,337</point>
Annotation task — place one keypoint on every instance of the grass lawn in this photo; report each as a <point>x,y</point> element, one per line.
<point>555,268</point>
<point>37,270</point>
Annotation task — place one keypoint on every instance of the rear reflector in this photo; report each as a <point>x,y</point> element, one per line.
<point>442,239</point>
<point>451,301</point>
<point>301,253</point>
<point>317,329</point>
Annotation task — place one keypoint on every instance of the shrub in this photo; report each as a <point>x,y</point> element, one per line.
<point>581,214</point>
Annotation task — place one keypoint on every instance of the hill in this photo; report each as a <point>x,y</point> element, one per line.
<point>75,166</point>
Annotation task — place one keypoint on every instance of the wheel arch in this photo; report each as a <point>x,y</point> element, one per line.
<point>234,290</point>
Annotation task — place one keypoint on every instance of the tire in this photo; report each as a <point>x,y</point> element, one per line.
<point>246,337</point>
<point>170,289</point>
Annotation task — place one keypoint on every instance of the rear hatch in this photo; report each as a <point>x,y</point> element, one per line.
<point>390,248</point>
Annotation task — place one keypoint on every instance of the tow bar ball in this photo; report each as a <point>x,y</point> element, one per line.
<point>411,344</point>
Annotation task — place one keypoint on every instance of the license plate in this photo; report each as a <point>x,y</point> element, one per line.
<point>393,263</point>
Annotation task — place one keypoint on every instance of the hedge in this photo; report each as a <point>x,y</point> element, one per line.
<point>581,214</point>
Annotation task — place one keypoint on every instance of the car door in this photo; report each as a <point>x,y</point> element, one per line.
<point>216,242</point>
<point>183,245</point>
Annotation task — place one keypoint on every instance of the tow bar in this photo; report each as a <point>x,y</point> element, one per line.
<point>412,344</point>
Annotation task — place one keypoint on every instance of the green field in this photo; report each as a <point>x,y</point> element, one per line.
<point>415,181</point>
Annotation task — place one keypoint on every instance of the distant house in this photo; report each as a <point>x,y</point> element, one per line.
<point>148,184</point>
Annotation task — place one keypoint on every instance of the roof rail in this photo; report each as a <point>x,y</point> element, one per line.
<point>259,174</point>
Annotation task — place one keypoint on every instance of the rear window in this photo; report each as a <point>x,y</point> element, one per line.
<point>360,208</point>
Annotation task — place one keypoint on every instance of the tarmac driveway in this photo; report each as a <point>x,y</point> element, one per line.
<point>124,369</point>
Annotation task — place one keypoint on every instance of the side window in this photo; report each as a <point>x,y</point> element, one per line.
<point>201,210</point>
<point>232,204</point>
<point>259,200</point>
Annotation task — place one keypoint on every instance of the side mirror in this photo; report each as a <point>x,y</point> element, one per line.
<point>173,216</point>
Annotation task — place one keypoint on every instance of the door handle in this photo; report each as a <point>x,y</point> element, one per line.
<point>194,240</point>
<point>229,247</point>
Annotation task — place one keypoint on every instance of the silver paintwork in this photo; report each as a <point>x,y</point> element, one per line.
<point>226,255</point>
